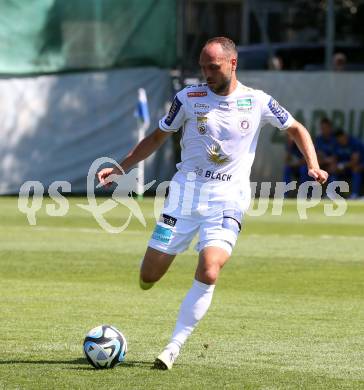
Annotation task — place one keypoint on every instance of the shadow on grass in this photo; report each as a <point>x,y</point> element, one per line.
<point>126,364</point>
<point>79,361</point>
<point>22,361</point>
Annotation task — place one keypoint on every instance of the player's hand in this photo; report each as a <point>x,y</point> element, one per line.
<point>104,174</point>
<point>318,174</point>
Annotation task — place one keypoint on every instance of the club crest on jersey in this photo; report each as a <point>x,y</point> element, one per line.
<point>244,125</point>
<point>216,155</point>
<point>202,124</point>
<point>197,94</point>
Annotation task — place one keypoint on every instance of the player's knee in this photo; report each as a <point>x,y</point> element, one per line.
<point>211,276</point>
<point>208,275</point>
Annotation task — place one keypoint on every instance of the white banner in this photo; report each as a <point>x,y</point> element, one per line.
<point>53,127</point>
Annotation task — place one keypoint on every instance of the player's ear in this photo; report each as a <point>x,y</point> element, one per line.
<point>234,63</point>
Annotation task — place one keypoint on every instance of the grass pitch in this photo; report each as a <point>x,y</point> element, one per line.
<point>288,311</point>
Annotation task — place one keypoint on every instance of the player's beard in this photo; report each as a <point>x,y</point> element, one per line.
<point>223,86</point>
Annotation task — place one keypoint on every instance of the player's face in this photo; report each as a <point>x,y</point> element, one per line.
<point>217,68</point>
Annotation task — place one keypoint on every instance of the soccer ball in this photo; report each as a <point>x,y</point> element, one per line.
<point>105,346</point>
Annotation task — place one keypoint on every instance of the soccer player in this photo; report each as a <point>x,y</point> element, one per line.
<point>221,121</point>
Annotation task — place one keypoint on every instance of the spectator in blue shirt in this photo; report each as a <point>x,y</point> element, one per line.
<point>349,156</point>
<point>325,144</point>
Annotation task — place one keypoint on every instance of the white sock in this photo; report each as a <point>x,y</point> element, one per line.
<point>193,308</point>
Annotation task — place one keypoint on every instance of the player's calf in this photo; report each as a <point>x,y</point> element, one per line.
<point>154,265</point>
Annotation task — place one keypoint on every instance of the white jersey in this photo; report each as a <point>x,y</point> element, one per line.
<point>220,135</point>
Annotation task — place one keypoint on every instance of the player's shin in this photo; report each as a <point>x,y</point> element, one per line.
<point>193,308</point>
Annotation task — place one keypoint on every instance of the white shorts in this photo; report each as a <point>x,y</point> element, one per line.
<point>174,231</point>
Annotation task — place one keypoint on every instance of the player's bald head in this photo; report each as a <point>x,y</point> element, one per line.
<point>220,47</point>
<point>218,61</point>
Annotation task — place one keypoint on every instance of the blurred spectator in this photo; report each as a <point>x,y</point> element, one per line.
<point>295,167</point>
<point>349,155</point>
<point>339,62</point>
<point>275,63</point>
<point>325,144</point>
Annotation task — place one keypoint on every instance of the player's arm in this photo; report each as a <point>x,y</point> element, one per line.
<point>142,150</point>
<point>170,123</point>
<point>303,140</point>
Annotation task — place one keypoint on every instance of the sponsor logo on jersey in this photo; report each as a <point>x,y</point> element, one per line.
<point>168,220</point>
<point>197,94</point>
<point>202,124</point>
<point>216,155</point>
<point>173,111</point>
<point>162,234</point>
<point>244,104</point>
<point>197,85</point>
<point>218,176</point>
<point>212,174</point>
<point>224,106</point>
<point>201,109</point>
<point>201,106</point>
<point>279,112</point>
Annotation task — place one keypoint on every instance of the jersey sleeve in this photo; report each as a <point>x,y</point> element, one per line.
<point>176,115</point>
<point>274,114</point>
